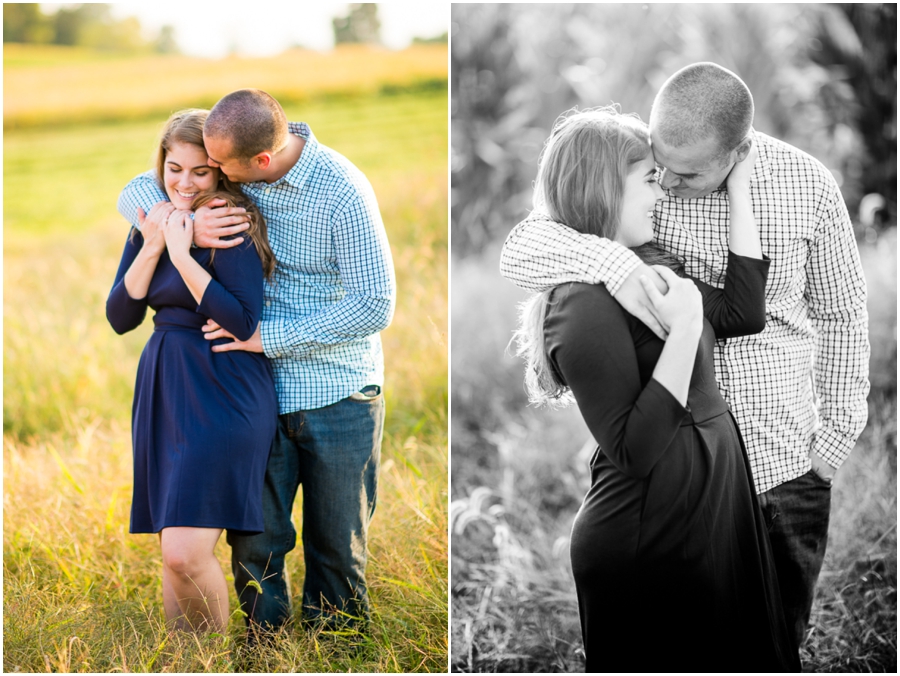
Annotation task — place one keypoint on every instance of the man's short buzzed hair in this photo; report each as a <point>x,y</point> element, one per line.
<point>700,101</point>
<point>252,120</point>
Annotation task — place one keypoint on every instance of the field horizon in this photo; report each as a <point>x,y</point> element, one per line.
<point>53,85</point>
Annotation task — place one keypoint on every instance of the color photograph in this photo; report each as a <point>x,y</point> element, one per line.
<point>674,347</point>
<point>225,338</point>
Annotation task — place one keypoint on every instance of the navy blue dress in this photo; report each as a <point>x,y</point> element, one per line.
<point>670,553</point>
<point>202,422</point>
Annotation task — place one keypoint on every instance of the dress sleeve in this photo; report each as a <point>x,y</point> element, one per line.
<point>589,341</point>
<point>739,308</point>
<point>234,297</point>
<point>123,312</point>
<point>540,253</point>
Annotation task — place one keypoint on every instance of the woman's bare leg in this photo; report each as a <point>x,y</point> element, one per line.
<point>195,579</point>
<point>174,616</point>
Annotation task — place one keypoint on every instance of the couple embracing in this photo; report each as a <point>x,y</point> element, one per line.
<point>702,301</point>
<point>265,258</point>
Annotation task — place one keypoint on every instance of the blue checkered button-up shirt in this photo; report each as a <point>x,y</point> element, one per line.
<point>333,287</point>
<point>801,384</point>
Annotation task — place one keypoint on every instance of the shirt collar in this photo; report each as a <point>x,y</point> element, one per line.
<point>300,172</point>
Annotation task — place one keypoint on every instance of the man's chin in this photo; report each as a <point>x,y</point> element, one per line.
<point>689,194</point>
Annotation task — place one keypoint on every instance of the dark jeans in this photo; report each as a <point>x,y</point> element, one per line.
<point>333,452</point>
<point>796,514</point>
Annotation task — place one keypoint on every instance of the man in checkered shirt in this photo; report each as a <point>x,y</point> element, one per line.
<point>798,389</point>
<point>331,293</point>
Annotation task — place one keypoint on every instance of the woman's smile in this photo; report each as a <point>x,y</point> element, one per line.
<point>187,174</point>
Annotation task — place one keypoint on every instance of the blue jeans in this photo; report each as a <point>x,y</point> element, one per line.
<point>796,515</point>
<point>333,452</point>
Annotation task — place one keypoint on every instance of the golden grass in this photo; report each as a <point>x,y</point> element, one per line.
<point>43,85</point>
<point>82,595</point>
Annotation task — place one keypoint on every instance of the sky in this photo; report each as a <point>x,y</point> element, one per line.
<point>265,28</point>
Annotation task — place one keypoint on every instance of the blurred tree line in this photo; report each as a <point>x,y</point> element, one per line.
<point>360,25</point>
<point>85,25</point>
<point>823,77</point>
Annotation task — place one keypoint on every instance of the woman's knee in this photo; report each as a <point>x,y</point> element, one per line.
<point>188,554</point>
<point>183,563</point>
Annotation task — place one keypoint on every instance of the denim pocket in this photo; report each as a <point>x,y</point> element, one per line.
<point>819,479</point>
<point>368,393</point>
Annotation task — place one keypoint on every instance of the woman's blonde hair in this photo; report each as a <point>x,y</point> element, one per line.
<point>583,167</point>
<point>258,232</point>
<point>580,183</point>
<point>186,126</point>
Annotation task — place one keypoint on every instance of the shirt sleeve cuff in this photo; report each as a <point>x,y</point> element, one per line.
<point>831,446</point>
<point>271,336</point>
<point>620,262</point>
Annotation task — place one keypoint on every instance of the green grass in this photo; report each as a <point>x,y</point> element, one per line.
<point>80,593</point>
<point>519,474</point>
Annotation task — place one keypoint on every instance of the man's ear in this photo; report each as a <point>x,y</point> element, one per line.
<point>263,160</point>
<point>741,152</point>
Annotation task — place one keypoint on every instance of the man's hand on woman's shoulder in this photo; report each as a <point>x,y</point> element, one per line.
<point>633,297</point>
<point>215,220</point>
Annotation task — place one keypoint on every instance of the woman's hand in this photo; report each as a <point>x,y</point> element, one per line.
<point>681,308</point>
<point>739,178</point>
<point>179,233</point>
<point>152,225</point>
<point>743,235</point>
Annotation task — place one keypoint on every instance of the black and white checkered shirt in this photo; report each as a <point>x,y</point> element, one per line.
<point>333,287</point>
<point>801,384</point>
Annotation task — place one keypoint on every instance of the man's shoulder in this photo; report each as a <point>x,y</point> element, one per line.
<point>330,169</point>
<point>788,160</point>
<point>147,178</point>
<point>335,163</point>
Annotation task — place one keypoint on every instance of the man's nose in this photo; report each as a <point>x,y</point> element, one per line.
<point>667,180</point>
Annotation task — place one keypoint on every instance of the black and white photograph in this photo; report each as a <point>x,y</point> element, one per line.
<point>673,321</point>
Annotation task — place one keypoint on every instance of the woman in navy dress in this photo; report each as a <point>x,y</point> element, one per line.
<point>670,554</point>
<point>202,422</point>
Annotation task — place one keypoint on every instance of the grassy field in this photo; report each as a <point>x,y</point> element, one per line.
<point>519,474</point>
<point>80,593</point>
<point>61,85</point>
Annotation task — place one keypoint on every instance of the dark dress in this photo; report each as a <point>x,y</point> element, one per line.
<point>669,550</point>
<point>202,422</point>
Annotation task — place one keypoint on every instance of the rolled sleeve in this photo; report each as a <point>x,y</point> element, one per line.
<point>142,191</point>
<point>539,254</point>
